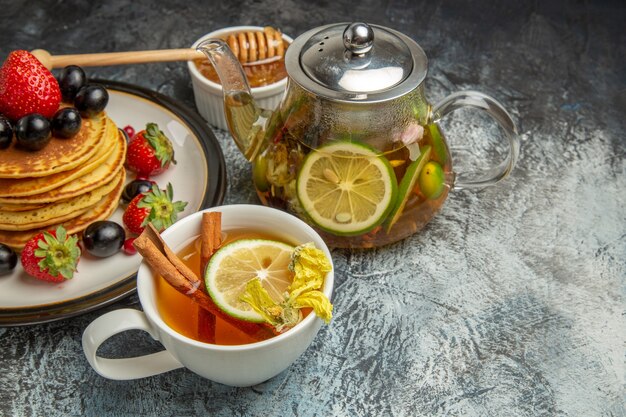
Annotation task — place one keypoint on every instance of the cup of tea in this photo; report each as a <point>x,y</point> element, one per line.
<point>235,365</point>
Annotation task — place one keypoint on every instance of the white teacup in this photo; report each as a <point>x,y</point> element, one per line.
<point>241,365</point>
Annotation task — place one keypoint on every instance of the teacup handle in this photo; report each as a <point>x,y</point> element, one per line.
<point>494,109</point>
<point>116,322</point>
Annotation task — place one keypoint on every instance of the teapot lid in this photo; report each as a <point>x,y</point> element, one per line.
<point>356,62</point>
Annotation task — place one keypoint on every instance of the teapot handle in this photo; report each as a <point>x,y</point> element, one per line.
<point>494,109</point>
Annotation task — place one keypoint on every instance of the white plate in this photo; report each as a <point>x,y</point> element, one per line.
<point>199,178</point>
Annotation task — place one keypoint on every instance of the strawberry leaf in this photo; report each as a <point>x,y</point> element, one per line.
<point>162,146</point>
<point>163,212</point>
<point>59,255</point>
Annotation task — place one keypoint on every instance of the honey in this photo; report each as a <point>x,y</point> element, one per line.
<point>258,75</point>
<point>260,52</point>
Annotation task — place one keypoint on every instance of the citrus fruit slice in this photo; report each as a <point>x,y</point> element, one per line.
<point>236,263</point>
<point>259,173</point>
<point>439,147</point>
<point>407,184</point>
<point>432,180</point>
<point>346,188</point>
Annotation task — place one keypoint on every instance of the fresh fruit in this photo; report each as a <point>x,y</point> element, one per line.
<point>136,187</point>
<point>154,207</point>
<point>259,173</point>
<point>6,132</point>
<point>33,132</point>
<point>346,188</point>
<point>407,184</point>
<point>439,147</point>
<point>103,238</point>
<point>66,123</point>
<point>236,263</point>
<point>8,259</point>
<point>149,152</point>
<point>91,99</point>
<point>130,131</point>
<point>71,80</point>
<point>129,248</point>
<point>51,256</point>
<point>432,180</point>
<point>27,87</point>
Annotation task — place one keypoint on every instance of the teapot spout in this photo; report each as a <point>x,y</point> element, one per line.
<point>246,121</point>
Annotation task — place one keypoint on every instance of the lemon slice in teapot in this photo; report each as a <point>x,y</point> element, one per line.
<point>346,188</point>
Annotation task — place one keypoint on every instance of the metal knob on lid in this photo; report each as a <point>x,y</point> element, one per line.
<point>358,38</point>
<point>356,62</point>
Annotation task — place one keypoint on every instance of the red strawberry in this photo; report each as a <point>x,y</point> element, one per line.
<point>154,206</point>
<point>149,152</point>
<point>27,87</point>
<point>51,256</point>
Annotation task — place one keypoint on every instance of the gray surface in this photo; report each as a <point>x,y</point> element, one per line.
<point>511,302</point>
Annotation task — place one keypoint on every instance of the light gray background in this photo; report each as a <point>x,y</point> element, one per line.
<point>510,303</point>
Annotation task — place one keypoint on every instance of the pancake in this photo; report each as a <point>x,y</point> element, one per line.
<point>57,212</point>
<point>19,187</point>
<point>59,155</point>
<point>19,207</point>
<point>90,181</point>
<point>100,211</point>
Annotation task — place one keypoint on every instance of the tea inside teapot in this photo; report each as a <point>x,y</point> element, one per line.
<point>354,148</point>
<point>365,176</point>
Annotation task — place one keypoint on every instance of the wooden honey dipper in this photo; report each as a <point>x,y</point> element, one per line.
<point>250,47</point>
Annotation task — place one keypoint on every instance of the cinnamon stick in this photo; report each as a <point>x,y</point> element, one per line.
<point>162,259</point>
<point>211,237</point>
<point>207,326</point>
<point>210,241</point>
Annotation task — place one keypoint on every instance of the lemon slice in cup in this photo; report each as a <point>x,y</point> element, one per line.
<point>236,263</point>
<point>346,188</point>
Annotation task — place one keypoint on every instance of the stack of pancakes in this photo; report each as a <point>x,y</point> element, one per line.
<point>71,182</point>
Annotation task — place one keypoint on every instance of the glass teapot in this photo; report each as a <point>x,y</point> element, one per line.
<point>354,149</point>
